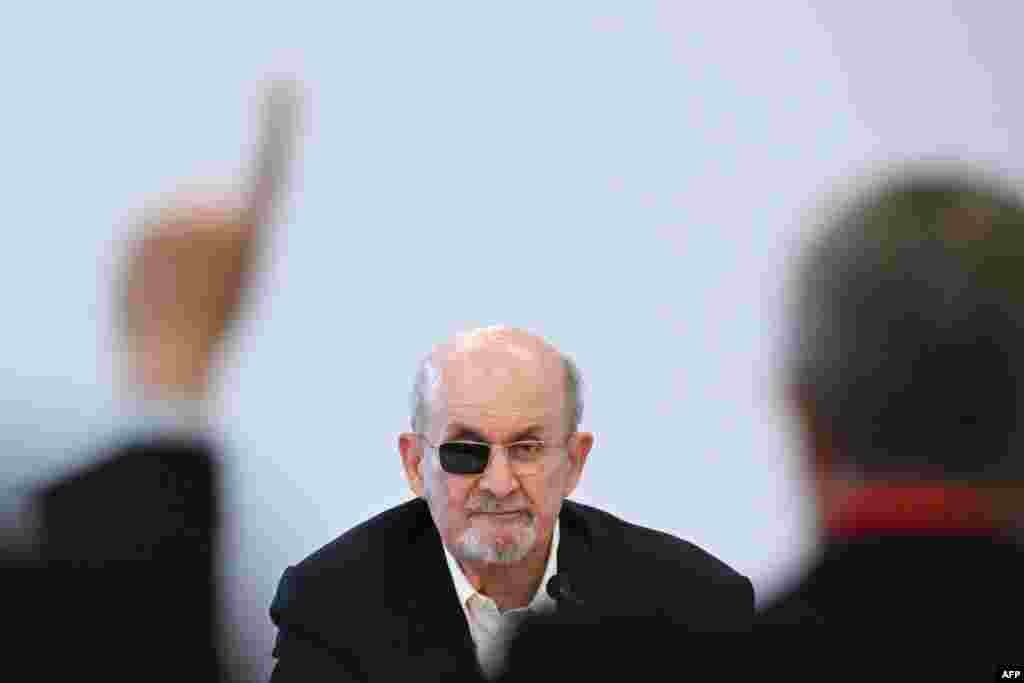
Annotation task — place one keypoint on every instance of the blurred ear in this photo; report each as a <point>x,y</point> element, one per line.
<point>832,480</point>
<point>410,448</point>
<point>578,447</point>
<point>820,451</point>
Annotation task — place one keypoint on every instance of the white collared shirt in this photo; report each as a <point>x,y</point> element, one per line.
<point>489,626</point>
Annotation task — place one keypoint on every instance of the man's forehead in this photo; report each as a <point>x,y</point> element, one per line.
<point>498,426</point>
<point>498,353</point>
<point>497,415</point>
<point>501,366</point>
<point>470,386</point>
<point>500,379</point>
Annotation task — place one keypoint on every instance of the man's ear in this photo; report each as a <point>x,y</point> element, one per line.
<point>578,448</point>
<point>410,448</point>
<point>831,478</point>
<point>821,454</point>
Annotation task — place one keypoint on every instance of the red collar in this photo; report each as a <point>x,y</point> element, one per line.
<point>913,510</point>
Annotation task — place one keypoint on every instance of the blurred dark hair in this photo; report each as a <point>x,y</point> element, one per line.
<point>909,326</point>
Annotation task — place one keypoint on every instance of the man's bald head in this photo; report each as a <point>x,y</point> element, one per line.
<point>506,359</point>
<point>504,387</point>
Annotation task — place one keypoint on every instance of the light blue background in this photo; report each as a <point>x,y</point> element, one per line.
<point>624,178</point>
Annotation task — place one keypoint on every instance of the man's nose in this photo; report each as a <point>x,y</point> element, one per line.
<point>498,477</point>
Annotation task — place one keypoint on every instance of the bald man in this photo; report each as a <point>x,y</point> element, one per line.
<point>436,587</point>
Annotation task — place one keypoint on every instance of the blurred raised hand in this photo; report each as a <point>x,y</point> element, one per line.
<point>187,275</point>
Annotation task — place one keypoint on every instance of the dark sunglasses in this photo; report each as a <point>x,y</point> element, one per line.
<point>471,457</point>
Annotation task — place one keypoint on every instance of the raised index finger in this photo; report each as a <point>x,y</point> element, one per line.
<point>274,152</point>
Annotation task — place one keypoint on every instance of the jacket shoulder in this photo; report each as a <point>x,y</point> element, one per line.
<point>386,532</point>
<point>647,545</point>
<point>642,572</point>
<point>351,561</point>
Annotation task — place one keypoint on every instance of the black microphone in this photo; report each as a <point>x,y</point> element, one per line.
<point>558,588</point>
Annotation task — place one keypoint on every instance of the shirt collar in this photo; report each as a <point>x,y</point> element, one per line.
<point>464,589</point>
<point>912,510</point>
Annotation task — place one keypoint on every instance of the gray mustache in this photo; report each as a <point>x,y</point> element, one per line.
<point>492,505</point>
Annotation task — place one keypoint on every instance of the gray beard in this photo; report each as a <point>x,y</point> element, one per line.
<point>472,547</point>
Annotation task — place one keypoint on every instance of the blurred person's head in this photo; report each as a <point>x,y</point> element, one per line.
<point>494,447</point>
<point>908,354</point>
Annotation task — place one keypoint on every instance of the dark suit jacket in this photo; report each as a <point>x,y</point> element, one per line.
<point>906,584</point>
<point>879,597</point>
<point>122,583</point>
<point>378,603</point>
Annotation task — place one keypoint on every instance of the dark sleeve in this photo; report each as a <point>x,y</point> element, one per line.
<point>127,550</point>
<point>539,649</point>
<point>571,646</point>
<point>792,611</point>
<point>301,654</point>
<point>734,612</point>
<point>699,593</point>
<point>148,504</point>
<point>725,607</point>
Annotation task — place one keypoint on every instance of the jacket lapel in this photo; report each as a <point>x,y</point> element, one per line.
<point>575,551</point>
<point>437,630</point>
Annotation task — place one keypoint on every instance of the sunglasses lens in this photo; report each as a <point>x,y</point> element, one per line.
<point>464,458</point>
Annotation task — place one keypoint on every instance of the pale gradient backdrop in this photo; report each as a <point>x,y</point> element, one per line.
<point>624,178</point>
